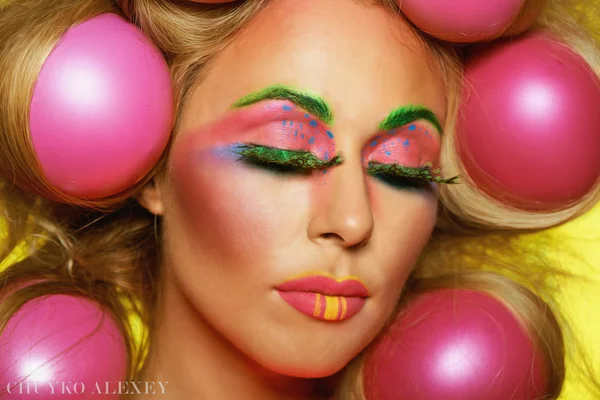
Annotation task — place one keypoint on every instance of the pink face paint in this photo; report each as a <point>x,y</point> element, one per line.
<point>414,146</point>
<point>277,123</point>
<point>229,206</point>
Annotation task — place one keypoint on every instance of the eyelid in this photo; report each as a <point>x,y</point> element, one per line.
<point>404,146</point>
<point>424,174</point>
<point>419,125</point>
<point>270,154</point>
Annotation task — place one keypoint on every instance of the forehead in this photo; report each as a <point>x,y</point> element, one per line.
<point>363,60</point>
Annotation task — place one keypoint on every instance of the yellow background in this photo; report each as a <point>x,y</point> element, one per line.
<point>580,298</point>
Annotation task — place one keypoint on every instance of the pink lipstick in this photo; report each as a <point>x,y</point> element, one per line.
<point>325,298</point>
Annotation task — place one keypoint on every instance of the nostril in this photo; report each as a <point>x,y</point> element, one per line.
<point>341,240</point>
<point>360,244</point>
<point>331,236</point>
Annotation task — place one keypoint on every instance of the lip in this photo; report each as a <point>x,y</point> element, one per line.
<point>323,297</point>
<point>326,285</point>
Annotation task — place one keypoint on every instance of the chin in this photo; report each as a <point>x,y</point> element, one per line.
<point>304,362</point>
<point>307,370</point>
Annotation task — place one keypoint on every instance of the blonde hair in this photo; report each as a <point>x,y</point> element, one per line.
<point>108,250</point>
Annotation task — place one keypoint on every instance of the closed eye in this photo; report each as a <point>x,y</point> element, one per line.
<point>408,178</point>
<point>283,161</point>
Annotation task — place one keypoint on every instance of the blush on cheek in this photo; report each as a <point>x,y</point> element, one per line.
<point>219,205</point>
<point>232,213</point>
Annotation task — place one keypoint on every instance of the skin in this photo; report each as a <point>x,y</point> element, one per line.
<point>233,232</point>
<point>213,1</point>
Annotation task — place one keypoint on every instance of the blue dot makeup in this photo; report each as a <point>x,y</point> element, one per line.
<point>275,124</point>
<point>409,146</point>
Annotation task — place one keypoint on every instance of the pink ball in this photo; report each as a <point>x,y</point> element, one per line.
<point>454,345</point>
<point>462,20</point>
<point>60,347</point>
<point>102,109</point>
<point>529,131</point>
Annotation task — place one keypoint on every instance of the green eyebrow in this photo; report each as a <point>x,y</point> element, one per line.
<point>407,114</point>
<point>311,103</point>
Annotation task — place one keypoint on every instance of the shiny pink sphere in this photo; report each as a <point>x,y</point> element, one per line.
<point>454,345</point>
<point>529,127</point>
<point>102,109</point>
<point>462,20</point>
<point>60,347</point>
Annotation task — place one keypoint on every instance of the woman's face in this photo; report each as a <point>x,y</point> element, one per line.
<point>241,230</point>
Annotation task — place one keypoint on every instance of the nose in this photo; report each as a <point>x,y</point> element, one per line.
<point>343,213</point>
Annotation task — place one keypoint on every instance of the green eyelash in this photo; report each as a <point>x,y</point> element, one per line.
<point>290,159</point>
<point>284,160</point>
<point>417,175</point>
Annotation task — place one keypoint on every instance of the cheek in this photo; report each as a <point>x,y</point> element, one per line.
<point>406,220</point>
<point>229,211</point>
